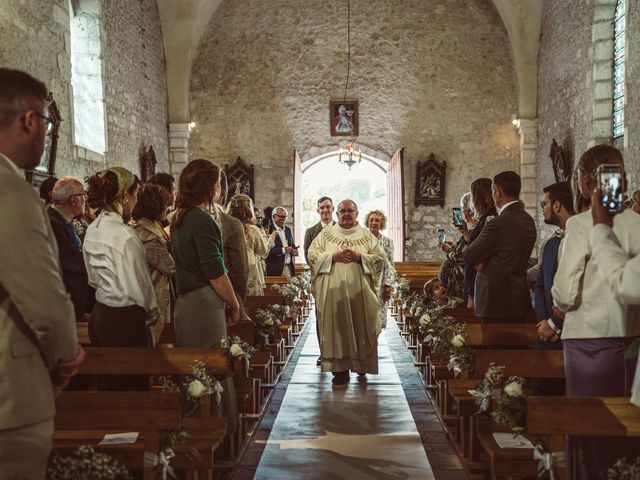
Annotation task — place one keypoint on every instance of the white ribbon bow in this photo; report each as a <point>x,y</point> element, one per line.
<point>217,390</point>
<point>265,337</point>
<point>546,461</point>
<point>161,460</point>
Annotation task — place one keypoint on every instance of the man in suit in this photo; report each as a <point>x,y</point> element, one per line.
<point>282,249</point>
<point>325,210</point>
<point>38,343</point>
<point>557,208</point>
<point>234,246</point>
<point>500,255</point>
<point>68,202</point>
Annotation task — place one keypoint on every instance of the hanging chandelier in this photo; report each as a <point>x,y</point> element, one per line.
<point>349,155</point>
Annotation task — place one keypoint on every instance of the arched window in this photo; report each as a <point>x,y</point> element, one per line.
<point>618,70</point>
<point>86,76</point>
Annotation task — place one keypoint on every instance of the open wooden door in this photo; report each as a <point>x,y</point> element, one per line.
<point>395,204</point>
<point>298,229</point>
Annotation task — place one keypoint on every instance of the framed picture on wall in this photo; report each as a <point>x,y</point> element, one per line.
<point>343,117</point>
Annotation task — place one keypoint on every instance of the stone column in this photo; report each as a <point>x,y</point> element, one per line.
<point>179,134</point>
<point>528,130</point>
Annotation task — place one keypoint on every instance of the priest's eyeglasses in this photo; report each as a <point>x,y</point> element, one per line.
<point>347,210</point>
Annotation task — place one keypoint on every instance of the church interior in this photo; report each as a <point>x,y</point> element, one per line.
<point>282,95</point>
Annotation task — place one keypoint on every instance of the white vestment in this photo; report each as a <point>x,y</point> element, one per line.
<point>347,298</point>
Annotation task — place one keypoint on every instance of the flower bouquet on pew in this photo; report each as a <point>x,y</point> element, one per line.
<point>303,282</point>
<point>85,463</point>
<point>624,469</point>
<point>445,338</point>
<point>503,398</point>
<point>402,289</point>
<point>193,388</point>
<point>239,350</point>
<point>268,321</point>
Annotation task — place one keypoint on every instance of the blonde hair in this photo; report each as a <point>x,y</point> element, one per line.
<point>241,207</point>
<point>380,213</point>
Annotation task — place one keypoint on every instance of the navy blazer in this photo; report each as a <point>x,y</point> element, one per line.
<point>543,300</point>
<point>74,273</point>
<point>275,259</point>
<point>504,246</point>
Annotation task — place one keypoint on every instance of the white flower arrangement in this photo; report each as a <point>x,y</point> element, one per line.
<point>624,469</point>
<point>289,291</point>
<point>193,387</point>
<point>402,288</point>
<point>425,319</point>
<point>196,389</point>
<point>514,389</point>
<point>239,349</point>
<point>85,463</point>
<point>458,341</point>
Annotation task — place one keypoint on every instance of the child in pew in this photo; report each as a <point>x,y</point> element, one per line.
<point>435,292</point>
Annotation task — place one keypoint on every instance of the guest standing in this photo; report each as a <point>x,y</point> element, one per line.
<point>500,255</point>
<point>204,288</point>
<point>241,207</point>
<point>149,215</point>
<point>597,328</point>
<point>37,331</point>
<point>126,303</point>
<point>68,203</point>
<point>452,269</point>
<point>376,221</point>
<point>484,209</point>
<point>282,249</point>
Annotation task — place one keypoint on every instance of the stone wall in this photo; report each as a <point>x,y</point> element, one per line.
<point>429,76</point>
<point>574,74</point>
<point>35,37</point>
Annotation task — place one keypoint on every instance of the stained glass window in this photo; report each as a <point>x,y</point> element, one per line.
<point>618,71</point>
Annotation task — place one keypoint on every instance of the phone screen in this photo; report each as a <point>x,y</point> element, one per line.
<point>610,180</point>
<point>441,235</point>
<point>457,217</point>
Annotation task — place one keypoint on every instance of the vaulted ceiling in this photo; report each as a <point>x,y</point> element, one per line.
<point>184,22</point>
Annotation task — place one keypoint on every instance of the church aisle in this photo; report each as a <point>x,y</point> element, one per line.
<point>366,431</point>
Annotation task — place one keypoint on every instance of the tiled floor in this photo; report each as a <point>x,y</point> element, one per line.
<point>384,428</point>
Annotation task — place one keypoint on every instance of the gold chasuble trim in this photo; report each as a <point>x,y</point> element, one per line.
<point>346,242</point>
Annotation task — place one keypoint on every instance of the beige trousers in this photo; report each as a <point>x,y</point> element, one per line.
<point>24,451</point>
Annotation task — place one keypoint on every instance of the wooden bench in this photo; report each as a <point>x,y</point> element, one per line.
<point>417,272</point>
<point>155,362</point>
<point>82,418</point>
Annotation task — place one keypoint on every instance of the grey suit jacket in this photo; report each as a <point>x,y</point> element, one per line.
<point>37,319</point>
<point>504,245</point>
<point>234,247</point>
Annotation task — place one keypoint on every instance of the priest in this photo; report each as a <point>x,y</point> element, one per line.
<point>346,263</point>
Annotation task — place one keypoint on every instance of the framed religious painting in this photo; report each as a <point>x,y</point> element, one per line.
<point>240,179</point>
<point>47,166</point>
<point>343,117</point>
<point>430,180</point>
<point>147,163</point>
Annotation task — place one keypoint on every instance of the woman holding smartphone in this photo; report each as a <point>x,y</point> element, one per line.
<point>597,329</point>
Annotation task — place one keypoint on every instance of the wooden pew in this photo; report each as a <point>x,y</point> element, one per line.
<point>417,272</point>
<point>527,364</point>
<point>82,418</point>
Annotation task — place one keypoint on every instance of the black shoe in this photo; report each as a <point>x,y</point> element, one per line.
<point>319,362</point>
<point>340,380</point>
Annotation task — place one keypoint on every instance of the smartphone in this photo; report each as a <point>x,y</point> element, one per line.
<point>457,217</point>
<point>610,180</point>
<point>442,237</point>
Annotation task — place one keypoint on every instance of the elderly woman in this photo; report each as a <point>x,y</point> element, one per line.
<point>241,207</point>
<point>376,221</point>
<point>452,268</point>
<point>149,214</point>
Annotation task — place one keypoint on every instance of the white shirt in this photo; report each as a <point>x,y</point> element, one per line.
<point>117,265</point>
<point>580,288</point>
<point>501,209</point>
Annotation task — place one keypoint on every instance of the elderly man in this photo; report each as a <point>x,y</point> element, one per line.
<point>281,247</point>
<point>68,199</point>
<point>38,346</point>
<point>346,263</point>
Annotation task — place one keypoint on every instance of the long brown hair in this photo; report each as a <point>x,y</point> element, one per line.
<point>481,199</point>
<point>196,185</point>
<point>588,164</point>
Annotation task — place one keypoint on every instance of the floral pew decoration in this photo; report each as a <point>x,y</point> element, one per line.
<point>444,336</point>
<point>504,400</point>
<point>268,321</point>
<point>624,469</point>
<point>85,462</point>
<point>239,350</point>
<point>402,290</point>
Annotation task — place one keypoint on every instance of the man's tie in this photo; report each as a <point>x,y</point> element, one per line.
<point>76,238</point>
